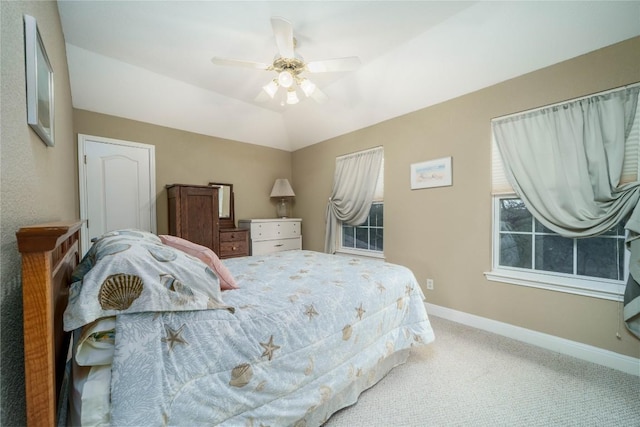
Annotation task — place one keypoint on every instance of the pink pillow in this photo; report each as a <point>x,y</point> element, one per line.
<point>205,255</point>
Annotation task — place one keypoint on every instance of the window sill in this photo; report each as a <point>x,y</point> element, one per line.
<point>362,254</point>
<point>607,290</point>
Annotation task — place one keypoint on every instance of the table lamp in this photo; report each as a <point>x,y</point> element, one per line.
<point>282,190</point>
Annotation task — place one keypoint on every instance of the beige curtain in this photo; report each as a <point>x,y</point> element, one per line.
<point>354,185</point>
<point>565,162</point>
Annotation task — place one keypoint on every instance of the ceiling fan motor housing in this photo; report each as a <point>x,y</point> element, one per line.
<point>293,65</point>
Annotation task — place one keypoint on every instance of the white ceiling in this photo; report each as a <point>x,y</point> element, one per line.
<point>151,60</point>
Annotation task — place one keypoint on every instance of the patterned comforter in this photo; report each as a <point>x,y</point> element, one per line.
<point>307,334</point>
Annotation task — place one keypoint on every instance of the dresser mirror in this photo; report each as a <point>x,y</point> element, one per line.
<point>225,204</point>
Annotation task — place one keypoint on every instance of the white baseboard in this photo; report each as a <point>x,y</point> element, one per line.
<point>610,359</point>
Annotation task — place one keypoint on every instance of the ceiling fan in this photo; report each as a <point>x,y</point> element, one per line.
<point>290,66</point>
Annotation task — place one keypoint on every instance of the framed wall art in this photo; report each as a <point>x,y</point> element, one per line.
<point>433,173</point>
<point>39,76</point>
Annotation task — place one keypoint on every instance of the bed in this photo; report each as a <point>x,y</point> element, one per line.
<point>282,339</point>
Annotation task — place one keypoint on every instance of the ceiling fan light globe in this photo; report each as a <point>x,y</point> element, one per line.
<point>307,87</point>
<point>285,79</point>
<point>292,97</point>
<point>271,88</point>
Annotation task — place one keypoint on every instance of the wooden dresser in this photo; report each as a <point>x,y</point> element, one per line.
<point>193,214</point>
<point>273,235</point>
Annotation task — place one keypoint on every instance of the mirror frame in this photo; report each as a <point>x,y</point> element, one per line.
<point>229,222</point>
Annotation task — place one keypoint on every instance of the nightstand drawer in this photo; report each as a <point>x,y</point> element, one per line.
<point>235,235</point>
<point>234,242</point>
<point>233,249</point>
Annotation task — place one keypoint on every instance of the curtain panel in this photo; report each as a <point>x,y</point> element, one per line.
<point>565,162</point>
<point>354,185</point>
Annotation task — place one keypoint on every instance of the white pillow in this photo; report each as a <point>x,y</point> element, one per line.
<point>90,396</point>
<point>96,344</point>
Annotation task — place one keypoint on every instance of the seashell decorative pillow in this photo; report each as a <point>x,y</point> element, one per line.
<point>128,271</point>
<point>89,259</point>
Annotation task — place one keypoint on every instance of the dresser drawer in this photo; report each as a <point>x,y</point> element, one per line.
<point>233,249</point>
<point>273,235</point>
<point>233,243</point>
<point>275,230</point>
<point>235,235</point>
<point>262,247</point>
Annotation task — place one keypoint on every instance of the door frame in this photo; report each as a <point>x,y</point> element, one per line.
<point>82,181</point>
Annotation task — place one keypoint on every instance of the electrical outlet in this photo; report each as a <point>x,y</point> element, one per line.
<point>430,284</point>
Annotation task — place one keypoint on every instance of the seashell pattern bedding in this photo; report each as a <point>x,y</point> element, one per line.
<point>303,335</point>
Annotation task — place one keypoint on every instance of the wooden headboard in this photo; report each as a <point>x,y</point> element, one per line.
<point>50,252</point>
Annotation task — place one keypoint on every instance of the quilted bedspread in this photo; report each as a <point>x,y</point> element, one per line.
<point>309,333</point>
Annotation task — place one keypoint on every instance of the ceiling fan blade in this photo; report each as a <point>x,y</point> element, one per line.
<point>319,96</point>
<point>239,63</point>
<point>283,32</point>
<point>331,65</point>
<point>262,97</point>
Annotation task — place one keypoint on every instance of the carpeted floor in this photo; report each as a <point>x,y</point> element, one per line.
<point>469,377</point>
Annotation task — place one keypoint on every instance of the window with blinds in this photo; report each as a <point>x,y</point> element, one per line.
<point>527,253</point>
<point>368,238</point>
<point>630,168</point>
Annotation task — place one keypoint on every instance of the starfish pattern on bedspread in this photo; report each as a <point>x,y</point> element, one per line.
<point>269,348</point>
<point>408,289</point>
<point>311,312</point>
<point>174,337</point>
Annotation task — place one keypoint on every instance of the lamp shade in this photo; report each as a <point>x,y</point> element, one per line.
<point>282,188</point>
<point>292,97</point>
<point>271,88</point>
<point>285,78</point>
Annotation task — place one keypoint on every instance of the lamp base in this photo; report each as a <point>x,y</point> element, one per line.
<point>282,209</point>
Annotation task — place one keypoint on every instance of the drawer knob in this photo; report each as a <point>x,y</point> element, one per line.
<point>277,246</point>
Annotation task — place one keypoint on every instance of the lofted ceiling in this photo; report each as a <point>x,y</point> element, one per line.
<point>151,60</point>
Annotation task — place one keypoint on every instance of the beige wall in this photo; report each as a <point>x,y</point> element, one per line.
<point>445,233</point>
<point>189,158</point>
<point>38,184</point>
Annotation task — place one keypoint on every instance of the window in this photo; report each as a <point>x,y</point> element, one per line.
<point>368,236</point>
<point>366,239</point>
<point>527,253</point>
<point>525,243</point>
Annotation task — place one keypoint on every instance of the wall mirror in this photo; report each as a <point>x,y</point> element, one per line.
<point>225,204</point>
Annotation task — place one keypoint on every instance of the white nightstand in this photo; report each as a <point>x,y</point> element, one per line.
<point>273,235</point>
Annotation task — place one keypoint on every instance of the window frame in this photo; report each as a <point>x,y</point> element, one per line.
<point>378,197</point>
<point>361,252</point>
<point>569,283</point>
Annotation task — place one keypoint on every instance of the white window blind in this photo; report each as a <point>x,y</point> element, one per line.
<point>378,195</point>
<point>630,168</point>
<point>499,182</point>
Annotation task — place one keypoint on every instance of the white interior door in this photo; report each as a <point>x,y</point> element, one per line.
<point>117,186</point>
